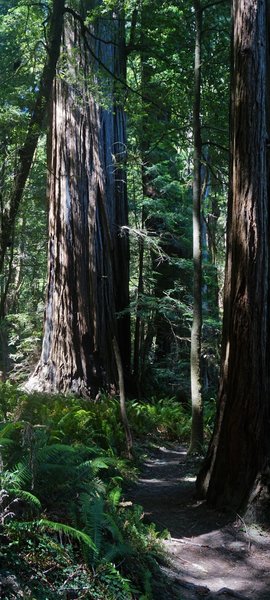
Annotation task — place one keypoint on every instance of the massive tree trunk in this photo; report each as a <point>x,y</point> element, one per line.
<point>196,331</point>
<point>88,255</point>
<point>238,456</point>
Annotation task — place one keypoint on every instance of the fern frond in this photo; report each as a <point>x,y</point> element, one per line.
<point>92,514</point>
<point>97,487</point>
<point>98,463</point>
<point>114,496</point>
<point>13,480</point>
<point>24,495</point>
<point>9,428</point>
<point>118,551</point>
<point>22,474</point>
<point>55,451</point>
<point>29,498</point>
<point>62,528</point>
<point>84,470</point>
<point>5,442</point>
<point>114,529</point>
<point>80,415</point>
<point>115,581</point>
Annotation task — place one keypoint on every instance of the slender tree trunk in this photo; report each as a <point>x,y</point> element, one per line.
<point>88,257</point>
<point>26,153</point>
<point>137,353</point>
<point>118,360</point>
<point>236,468</point>
<point>4,350</point>
<point>195,357</point>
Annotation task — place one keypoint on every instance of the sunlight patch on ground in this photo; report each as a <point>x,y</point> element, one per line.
<point>170,451</point>
<point>159,481</point>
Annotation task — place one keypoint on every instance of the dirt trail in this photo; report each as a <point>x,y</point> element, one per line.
<point>212,556</point>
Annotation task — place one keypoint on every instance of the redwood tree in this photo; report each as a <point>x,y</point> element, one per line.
<point>88,255</point>
<point>237,462</point>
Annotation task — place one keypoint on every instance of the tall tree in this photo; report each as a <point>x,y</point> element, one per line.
<point>88,255</point>
<point>196,331</point>
<point>237,462</point>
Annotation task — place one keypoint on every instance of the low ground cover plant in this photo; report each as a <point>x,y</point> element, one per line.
<point>66,529</point>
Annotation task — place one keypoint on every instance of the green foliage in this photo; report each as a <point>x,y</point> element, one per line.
<point>61,501</point>
<point>63,462</point>
<point>8,399</point>
<point>68,531</point>
<point>159,69</point>
<point>160,416</point>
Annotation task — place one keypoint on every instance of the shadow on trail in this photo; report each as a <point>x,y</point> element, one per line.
<point>166,490</point>
<point>212,555</point>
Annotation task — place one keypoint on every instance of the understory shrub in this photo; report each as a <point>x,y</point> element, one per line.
<point>166,416</point>
<point>66,531</point>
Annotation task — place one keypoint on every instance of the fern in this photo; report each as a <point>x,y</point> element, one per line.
<point>54,452</point>
<point>118,551</point>
<point>112,526</point>
<point>10,428</point>
<point>92,515</point>
<point>79,487</point>
<point>67,530</point>
<point>118,586</point>
<point>14,480</point>
<point>5,442</point>
<point>26,497</point>
<point>114,496</point>
<point>23,474</point>
<point>100,463</point>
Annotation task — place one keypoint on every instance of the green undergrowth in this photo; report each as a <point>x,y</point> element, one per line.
<point>66,529</point>
<point>161,417</point>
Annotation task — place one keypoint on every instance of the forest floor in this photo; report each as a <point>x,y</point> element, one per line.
<point>211,555</point>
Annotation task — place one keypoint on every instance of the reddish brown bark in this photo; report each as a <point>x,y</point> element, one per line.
<point>88,255</point>
<point>238,455</point>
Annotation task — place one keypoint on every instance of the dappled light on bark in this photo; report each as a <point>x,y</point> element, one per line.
<point>88,255</point>
<point>239,452</point>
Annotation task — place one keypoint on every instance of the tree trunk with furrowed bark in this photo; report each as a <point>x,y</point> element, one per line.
<point>88,269</point>
<point>236,469</point>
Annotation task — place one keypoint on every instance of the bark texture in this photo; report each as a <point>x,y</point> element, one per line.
<point>238,456</point>
<point>88,255</point>
<point>196,331</point>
